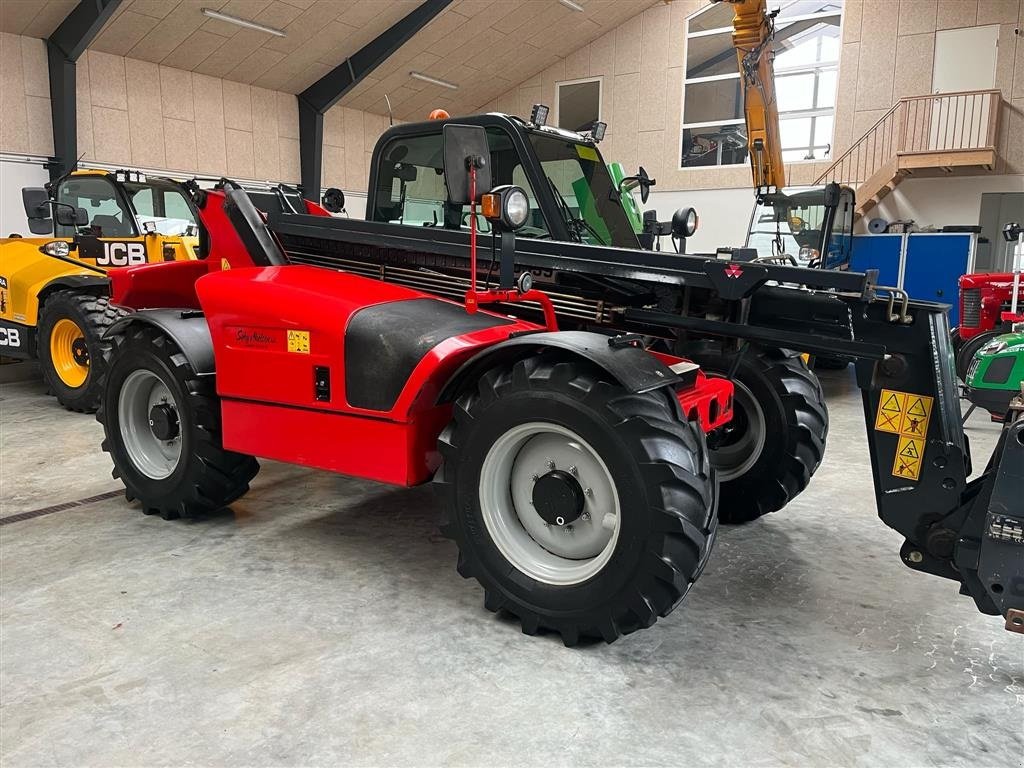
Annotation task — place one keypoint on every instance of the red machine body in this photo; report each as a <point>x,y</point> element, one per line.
<point>281,336</point>
<point>984,299</point>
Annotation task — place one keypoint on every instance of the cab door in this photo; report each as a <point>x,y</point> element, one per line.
<point>110,238</point>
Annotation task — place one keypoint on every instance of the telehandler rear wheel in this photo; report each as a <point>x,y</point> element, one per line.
<point>162,429</point>
<point>775,442</point>
<point>71,328</point>
<point>578,506</point>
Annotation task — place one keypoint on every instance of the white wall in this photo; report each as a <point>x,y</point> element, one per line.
<point>724,215</point>
<point>940,201</point>
<point>13,176</point>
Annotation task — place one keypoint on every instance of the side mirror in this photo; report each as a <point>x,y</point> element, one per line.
<point>641,180</point>
<point>465,146</point>
<point>334,200</point>
<point>68,216</point>
<point>37,210</point>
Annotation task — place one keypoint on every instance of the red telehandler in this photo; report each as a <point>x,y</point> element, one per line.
<point>572,465</point>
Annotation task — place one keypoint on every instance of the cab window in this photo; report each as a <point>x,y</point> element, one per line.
<point>411,188</point>
<point>165,206</point>
<point>106,214</point>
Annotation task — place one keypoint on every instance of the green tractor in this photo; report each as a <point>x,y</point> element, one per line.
<point>996,374</point>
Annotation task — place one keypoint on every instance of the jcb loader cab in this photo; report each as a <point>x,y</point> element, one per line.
<point>54,285</point>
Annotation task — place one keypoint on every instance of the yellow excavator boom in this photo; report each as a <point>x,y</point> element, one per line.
<point>753,28</point>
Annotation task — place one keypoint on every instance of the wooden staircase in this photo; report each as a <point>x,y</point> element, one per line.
<point>935,135</point>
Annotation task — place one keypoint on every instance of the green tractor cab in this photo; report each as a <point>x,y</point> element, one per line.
<point>996,374</point>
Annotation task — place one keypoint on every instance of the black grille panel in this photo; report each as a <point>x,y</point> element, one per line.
<point>970,310</point>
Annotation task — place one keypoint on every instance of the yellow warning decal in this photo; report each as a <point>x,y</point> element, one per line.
<point>890,411</point>
<point>587,153</point>
<point>908,457</point>
<point>907,415</point>
<point>298,341</point>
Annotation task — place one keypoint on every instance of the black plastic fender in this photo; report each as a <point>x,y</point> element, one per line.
<point>631,366</point>
<point>187,328</point>
<point>77,283</point>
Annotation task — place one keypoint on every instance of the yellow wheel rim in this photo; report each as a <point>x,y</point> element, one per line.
<point>69,353</point>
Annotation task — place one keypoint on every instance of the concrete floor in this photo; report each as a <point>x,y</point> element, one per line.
<point>322,622</point>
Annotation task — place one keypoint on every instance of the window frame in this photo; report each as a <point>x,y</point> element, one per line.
<point>599,79</point>
<point>816,68</point>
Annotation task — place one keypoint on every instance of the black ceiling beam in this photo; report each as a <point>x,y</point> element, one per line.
<point>329,89</point>
<point>63,49</point>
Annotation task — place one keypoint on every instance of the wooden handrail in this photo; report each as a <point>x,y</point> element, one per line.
<point>960,120</point>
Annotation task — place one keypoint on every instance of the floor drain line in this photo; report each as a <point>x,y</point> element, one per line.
<point>59,507</point>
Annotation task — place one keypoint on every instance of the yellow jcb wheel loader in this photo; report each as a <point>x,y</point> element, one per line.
<point>54,287</point>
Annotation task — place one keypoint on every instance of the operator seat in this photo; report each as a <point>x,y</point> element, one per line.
<point>262,246</point>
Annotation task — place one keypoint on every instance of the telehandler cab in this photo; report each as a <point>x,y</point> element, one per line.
<point>572,465</point>
<point>53,288</point>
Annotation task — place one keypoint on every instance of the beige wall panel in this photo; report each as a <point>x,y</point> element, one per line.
<point>111,137</point>
<point>239,153</point>
<point>508,102</point>
<point>628,42</point>
<point>998,11</point>
<point>528,96</point>
<point>917,16</point>
<point>176,99</point>
<point>864,119</point>
<point>1018,67</point>
<point>40,126</point>
<point>237,106</point>
<point>672,137</point>
<point>180,145</point>
<point>625,117</point>
<point>913,75</point>
<point>267,148</point>
<point>656,39</point>
<point>653,100</point>
<point>846,98</point>
<point>953,14</point>
<point>289,160</point>
<point>1008,45</point>
<point>107,84</point>
<point>577,64</point>
<point>356,168</point>
<point>13,109</point>
<point>649,154</point>
<point>144,114</point>
<point>877,56</point>
<point>158,9</point>
<point>1013,136</point>
<point>332,172</point>
<point>35,67</point>
<point>678,12</point>
<point>602,55</point>
<point>353,128</point>
<point>208,97</point>
<point>373,127</point>
<point>853,14</point>
<point>287,116</point>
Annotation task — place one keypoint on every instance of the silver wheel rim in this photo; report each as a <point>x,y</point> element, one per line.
<point>740,451</point>
<point>153,457</point>
<point>554,554</point>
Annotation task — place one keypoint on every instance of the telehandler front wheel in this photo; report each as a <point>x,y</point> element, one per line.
<point>579,507</point>
<point>767,454</point>
<point>162,429</point>
<point>71,328</point>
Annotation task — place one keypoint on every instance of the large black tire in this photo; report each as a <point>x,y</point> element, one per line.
<point>657,464</point>
<point>93,315</point>
<point>204,476</point>
<point>965,354</point>
<point>774,388</point>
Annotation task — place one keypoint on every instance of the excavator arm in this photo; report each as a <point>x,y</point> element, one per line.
<point>753,29</point>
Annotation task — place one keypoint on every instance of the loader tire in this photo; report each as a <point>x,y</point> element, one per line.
<point>580,507</point>
<point>161,427</point>
<point>766,456</point>
<point>70,346</point>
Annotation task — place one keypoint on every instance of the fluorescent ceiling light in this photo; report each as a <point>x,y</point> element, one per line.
<point>433,80</point>
<point>242,22</point>
<point>571,4</point>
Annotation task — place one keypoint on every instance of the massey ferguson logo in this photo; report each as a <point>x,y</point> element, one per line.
<point>735,271</point>
<point>122,254</point>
